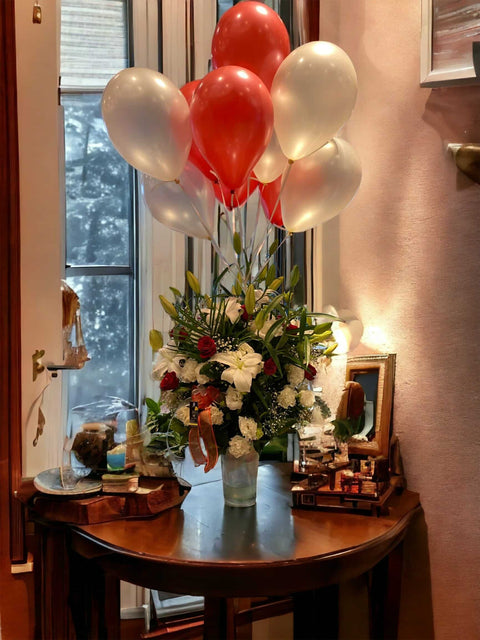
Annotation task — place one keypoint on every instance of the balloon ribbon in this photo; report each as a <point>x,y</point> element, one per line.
<point>204,432</point>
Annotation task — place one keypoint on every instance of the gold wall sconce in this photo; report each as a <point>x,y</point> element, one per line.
<point>467,159</point>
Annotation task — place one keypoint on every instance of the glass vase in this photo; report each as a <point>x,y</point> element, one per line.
<point>239,476</point>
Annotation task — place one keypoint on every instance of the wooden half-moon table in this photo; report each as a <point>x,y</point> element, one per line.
<point>204,548</point>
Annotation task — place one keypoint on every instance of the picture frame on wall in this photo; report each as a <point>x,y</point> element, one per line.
<point>450,43</point>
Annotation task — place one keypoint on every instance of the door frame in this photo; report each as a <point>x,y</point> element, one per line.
<point>11,511</point>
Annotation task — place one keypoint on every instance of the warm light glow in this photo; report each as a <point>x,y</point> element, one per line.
<point>324,48</point>
<point>376,338</point>
<point>347,332</point>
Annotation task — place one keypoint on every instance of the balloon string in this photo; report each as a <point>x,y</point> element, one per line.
<point>262,244</point>
<point>254,234</point>
<point>231,229</point>
<point>254,237</point>
<point>214,243</point>
<point>282,186</point>
<point>264,264</point>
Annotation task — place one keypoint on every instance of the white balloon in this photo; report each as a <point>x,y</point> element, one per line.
<point>319,186</point>
<point>148,121</point>
<point>272,163</point>
<point>187,206</point>
<point>313,94</point>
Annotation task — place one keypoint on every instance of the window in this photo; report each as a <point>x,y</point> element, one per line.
<point>100,231</point>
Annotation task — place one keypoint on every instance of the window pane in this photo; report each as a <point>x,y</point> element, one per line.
<point>107,323</point>
<point>93,42</point>
<point>98,188</point>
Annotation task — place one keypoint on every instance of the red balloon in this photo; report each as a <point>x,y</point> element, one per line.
<point>195,157</point>
<point>236,198</point>
<point>251,35</point>
<point>232,122</point>
<point>272,207</point>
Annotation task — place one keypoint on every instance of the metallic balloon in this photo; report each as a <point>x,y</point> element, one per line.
<point>187,206</point>
<point>148,121</point>
<point>319,186</point>
<point>272,163</point>
<point>313,94</point>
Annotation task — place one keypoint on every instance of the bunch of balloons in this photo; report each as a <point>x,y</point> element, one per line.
<point>264,118</point>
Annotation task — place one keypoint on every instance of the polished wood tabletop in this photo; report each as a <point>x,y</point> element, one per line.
<point>210,549</point>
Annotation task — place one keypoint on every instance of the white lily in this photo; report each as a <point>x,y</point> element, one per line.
<point>168,360</point>
<point>233,309</point>
<point>243,365</point>
<point>266,326</point>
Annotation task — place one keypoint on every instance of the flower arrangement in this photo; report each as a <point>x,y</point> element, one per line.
<point>236,370</point>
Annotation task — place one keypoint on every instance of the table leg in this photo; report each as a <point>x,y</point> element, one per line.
<point>219,623</point>
<point>51,584</point>
<point>315,614</point>
<point>94,600</point>
<point>385,590</point>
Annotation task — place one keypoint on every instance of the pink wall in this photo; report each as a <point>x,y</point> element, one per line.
<point>405,255</point>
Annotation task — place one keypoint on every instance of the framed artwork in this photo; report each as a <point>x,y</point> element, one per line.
<point>450,42</point>
<point>376,375</point>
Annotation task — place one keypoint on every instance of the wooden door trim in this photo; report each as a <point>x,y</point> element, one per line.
<point>10,318</point>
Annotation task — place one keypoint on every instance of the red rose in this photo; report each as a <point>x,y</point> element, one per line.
<point>178,333</point>
<point>169,381</point>
<point>269,367</point>
<point>245,315</point>
<point>206,347</point>
<point>311,372</point>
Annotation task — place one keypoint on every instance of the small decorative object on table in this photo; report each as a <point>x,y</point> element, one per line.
<point>362,481</point>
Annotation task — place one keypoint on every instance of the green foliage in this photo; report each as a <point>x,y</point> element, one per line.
<point>348,427</point>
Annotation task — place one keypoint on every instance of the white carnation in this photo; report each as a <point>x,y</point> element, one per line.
<point>216,415</point>
<point>248,427</point>
<point>238,446</point>
<point>188,373</point>
<point>183,414</point>
<point>295,375</point>
<point>306,398</point>
<point>287,397</point>
<point>234,399</point>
